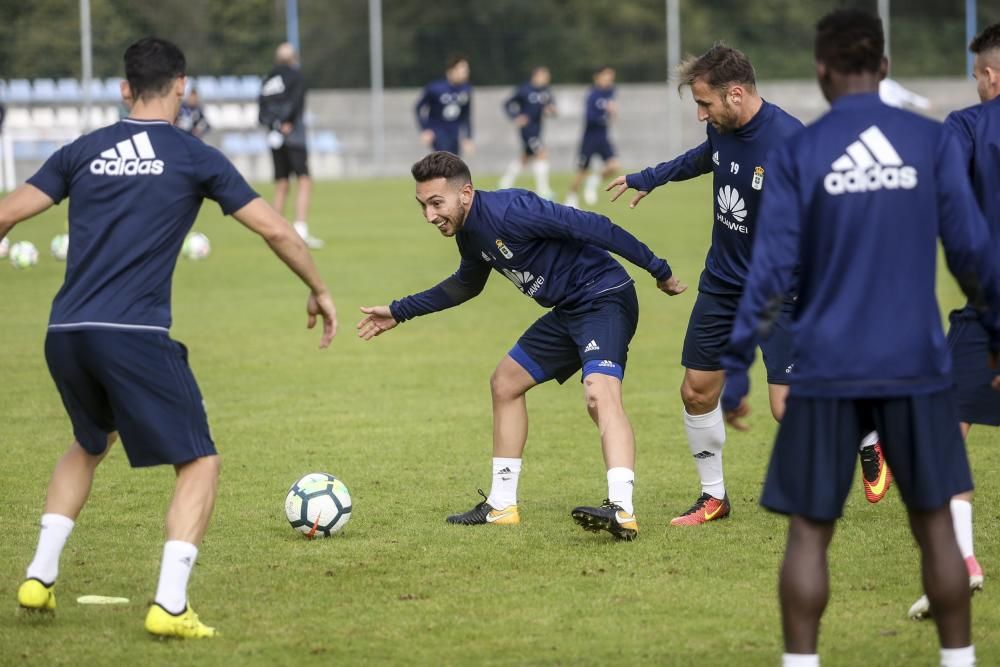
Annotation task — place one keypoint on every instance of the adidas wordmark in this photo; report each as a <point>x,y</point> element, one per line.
<point>869,164</point>
<point>130,157</point>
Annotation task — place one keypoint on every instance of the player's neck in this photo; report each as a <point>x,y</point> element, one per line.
<point>752,107</point>
<point>842,85</point>
<point>156,109</point>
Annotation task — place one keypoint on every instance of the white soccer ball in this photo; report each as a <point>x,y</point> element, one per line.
<point>23,254</point>
<point>60,247</point>
<point>196,246</point>
<point>318,505</point>
<point>4,247</point>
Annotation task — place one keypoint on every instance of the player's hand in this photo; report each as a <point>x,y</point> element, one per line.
<point>671,286</point>
<point>736,418</point>
<point>521,120</point>
<point>286,127</point>
<point>427,137</point>
<point>321,305</point>
<point>621,187</point>
<point>468,147</point>
<point>377,320</point>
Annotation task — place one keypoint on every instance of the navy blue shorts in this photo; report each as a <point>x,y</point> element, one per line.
<point>592,145</point>
<point>135,382</point>
<point>531,139</point>
<point>969,344</point>
<point>559,344</point>
<point>708,333</point>
<point>815,452</point>
<point>447,141</point>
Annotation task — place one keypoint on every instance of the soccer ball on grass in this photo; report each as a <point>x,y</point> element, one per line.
<point>60,247</point>
<point>196,246</point>
<point>23,254</point>
<point>318,504</point>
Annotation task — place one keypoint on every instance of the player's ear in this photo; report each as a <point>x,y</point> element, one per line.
<point>883,68</point>
<point>126,91</point>
<point>465,194</point>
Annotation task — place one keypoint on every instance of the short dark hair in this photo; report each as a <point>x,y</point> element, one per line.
<point>441,164</point>
<point>603,68</point>
<point>454,59</point>
<point>151,65</point>
<point>987,40</point>
<point>719,67</point>
<point>850,41</point>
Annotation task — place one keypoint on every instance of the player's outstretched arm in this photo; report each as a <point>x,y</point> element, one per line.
<point>621,186</point>
<point>25,202</point>
<point>259,217</point>
<point>377,320</point>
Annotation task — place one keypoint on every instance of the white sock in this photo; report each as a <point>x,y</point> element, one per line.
<point>55,529</point>
<point>541,169</point>
<point>621,483</point>
<point>706,435</point>
<point>503,493</point>
<point>868,440</point>
<point>178,561</point>
<point>961,519</point>
<point>958,657</point>
<point>510,176</point>
<point>302,228</point>
<point>800,660</point>
<point>590,186</point>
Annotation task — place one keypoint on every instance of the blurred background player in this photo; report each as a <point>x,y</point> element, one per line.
<point>857,202</point>
<point>191,118</point>
<point>282,104</point>
<point>135,188</point>
<point>529,104</point>
<point>977,129</point>
<point>444,110</point>
<point>559,257</point>
<point>742,130</point>
<point>599,111</point>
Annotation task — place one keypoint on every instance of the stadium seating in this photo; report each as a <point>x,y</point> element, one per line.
<point>18,91</point>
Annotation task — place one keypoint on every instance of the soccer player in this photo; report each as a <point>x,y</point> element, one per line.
<point>559,257</point>
<point>191,117</point>
<point>599,111</point>
<point>742,130</point>
<point>529,104</point>
<point>976,129</point>
<point>444,110</point>
<point>135,188</point>
<point>857,201</point>
<point>282,103</point>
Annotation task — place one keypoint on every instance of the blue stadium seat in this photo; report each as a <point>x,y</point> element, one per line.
<point>112,89</point>
<point>208,88</point>
<point>256,144</point>
<point>325,143</point>
<point>43,90</point>
<point>229,87</point>
<point>19,91</point>
<point>234,144</point>
<point>251,86</point>
<point>68,90</point>
<point>96,90</point>
<point>3,90</point>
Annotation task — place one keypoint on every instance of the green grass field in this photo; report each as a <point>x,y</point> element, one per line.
<point>405,421</point>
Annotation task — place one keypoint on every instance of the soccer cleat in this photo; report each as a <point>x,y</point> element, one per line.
<point>610,517</point>
<point>486,513</point>
<point>162,623</point>
<point>35,595</point>
<point>875,472</point>
<point>706,508</point>
<point>311,241</point>
<point>590,197</point>
<point>921,609</point>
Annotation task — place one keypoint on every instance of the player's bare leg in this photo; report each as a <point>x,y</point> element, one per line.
<point>280,194</point>
<point>804,583</point>
<point>573,196</point>
<point>777,396</point>
<point>706,434</point>
<point>508,386</point>
<point>187,519</point>
<point>603,394</point>
<point>68,491</point>
<point>302,195</point>
<point>944,576</point>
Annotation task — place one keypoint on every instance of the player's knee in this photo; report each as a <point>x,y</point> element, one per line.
<point>698,400</point>
<point>601,394</point>
<point>503,386</point>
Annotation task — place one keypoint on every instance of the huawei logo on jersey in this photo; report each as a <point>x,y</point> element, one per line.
<point>132,157</point>
<point>525,281</point>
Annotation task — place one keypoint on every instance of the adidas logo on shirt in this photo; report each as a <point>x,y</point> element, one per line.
<point>870,164</point>
<point>592,346</point>
<point>131,157</point>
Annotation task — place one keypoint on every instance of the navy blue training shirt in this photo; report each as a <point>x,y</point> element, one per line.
<point>529,101</point>
<point>597,109</point>
<point>738,162</point>
<point>446,108</point>
<point>554,254</point>
<point>134,191</point>
<point>858,200</point>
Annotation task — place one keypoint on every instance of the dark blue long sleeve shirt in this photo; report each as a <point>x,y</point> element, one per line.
<point>445,109</point>
<point>738,163</point>
<point>858,200</point>
<point>529,101</point>
<point>554,254</point>
<point>597,110</point>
